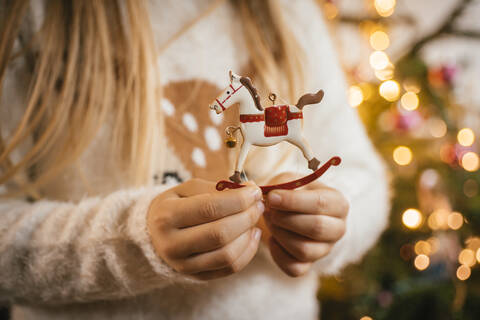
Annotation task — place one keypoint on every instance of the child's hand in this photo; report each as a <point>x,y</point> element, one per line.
<point>205,233</point>
<point>305,224</point>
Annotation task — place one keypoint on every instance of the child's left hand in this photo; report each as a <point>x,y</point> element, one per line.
<point>305,224</point>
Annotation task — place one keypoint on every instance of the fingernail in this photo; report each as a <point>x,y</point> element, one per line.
<point>260,206</point>
<point>257,233</point>
<point>274,198</point>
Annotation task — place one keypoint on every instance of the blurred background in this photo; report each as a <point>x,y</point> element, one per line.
<point>413,68</point>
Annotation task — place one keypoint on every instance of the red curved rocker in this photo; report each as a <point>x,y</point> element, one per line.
<point>335,161</point>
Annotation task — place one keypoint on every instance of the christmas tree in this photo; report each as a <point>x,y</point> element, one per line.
<point>421,111</point>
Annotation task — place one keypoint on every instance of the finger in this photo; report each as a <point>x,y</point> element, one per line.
<point>238,265</point>
<point>301,248</point>
<point>316,227</point>
<point>194,187</point>
<point>286,262</point>
<point>209,207</point>
<point>217,234</point>
<point>220,258</point>
<point>322,201</point>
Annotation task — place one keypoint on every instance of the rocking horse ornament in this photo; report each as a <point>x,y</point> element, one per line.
<point>266,127</point>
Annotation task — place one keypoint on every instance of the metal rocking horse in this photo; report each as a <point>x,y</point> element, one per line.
<point>267,127</point>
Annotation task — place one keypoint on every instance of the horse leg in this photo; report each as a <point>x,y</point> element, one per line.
<point>303,145</point>
<point>236,177</point>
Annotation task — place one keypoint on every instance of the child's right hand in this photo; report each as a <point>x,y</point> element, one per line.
<point>205,233</point>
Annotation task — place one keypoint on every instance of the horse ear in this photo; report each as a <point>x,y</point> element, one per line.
<point>233,76</point>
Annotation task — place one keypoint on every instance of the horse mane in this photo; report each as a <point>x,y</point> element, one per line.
<point>247,82</point>
<point>309,98</point>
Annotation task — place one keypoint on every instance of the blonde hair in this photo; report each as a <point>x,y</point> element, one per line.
<point>94,64</point>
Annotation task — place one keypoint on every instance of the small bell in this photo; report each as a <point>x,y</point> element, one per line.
<point>231,141</point>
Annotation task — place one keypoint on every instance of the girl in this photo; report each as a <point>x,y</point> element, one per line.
<point>109,157</point>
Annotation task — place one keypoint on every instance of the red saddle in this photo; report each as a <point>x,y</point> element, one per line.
<point>276,115</point>
<point>276,118</point>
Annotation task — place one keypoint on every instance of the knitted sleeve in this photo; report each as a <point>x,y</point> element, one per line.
<point>98,248</point>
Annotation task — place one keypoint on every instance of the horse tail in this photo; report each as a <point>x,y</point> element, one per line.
<point>309,98</point>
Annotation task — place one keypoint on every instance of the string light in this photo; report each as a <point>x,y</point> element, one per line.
<point>412,218</point>
<point>463,272</point>
<point>389,90</point>
<point>355,96</point>
<point>409,101</point>
<point>385,8</point>
<point>455,220</point>
<point>470,161</point>
<point>402,155</point>
<point>379,40</point>
<point>467,257</point>
<point>466,137</point>
<point>421,262</point>
<point>379,60</point>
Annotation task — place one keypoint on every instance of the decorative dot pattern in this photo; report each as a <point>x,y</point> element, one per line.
<point>213,139</point>
<point>167,107</point>
<point>189,122</point>
<point>196,133</point>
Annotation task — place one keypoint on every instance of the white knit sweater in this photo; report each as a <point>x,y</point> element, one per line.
<point>85,253</point>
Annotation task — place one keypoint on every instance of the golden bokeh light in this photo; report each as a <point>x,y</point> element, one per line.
<point>470,161</point>
<point>455,220</point>
<point>473,243</point>
<point>402,155</point>
<point>355,96</point>
<point>385,74</point>
<point>438,219</point>
<point>463,272</point>
<point>385,8</point>
<point>478,255</point>
<point>467,257</point>
<point>437,127</point>
<point>409,101</point>
<point>366,318</point>
<point>421,262</point>
<point>423,247</point>
<point>390,90</point>
<point>379,40</point>
<point>412,218</point>
<point>379,60</point>
<point>466,137</point>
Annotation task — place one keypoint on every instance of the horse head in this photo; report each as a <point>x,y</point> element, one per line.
<point>229,96</point>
